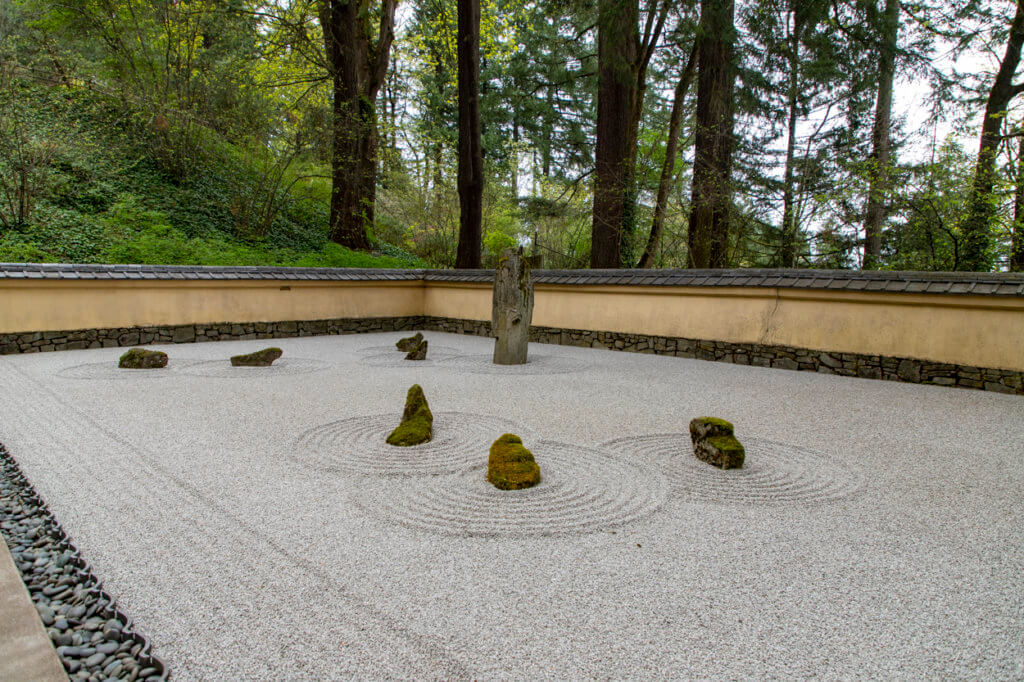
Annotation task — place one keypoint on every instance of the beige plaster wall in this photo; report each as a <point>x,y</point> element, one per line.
<point>51,305</point>
<point>982,331</point>
<point>968,330</point>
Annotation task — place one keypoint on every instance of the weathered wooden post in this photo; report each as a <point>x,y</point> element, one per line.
<point>512,308</point>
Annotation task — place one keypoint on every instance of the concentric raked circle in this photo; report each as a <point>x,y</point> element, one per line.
<point>110,371</point>
<point>537,363</point>
<point>581,491</point>
<point>223,369</point>
<point>357,445</point>
<point>774,473</point>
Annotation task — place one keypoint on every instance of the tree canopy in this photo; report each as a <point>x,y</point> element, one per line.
<point>608,133</point>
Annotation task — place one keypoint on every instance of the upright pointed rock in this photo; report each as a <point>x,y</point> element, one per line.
<point>417,421</point>
<point>512,308</point>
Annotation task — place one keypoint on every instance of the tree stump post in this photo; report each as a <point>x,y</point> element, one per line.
<point>512,308</point>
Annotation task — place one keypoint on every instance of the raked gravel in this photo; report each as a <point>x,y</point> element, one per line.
<point>899,552</point>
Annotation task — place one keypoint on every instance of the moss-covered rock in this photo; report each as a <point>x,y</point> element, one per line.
<point>140,358</point>
<point>510,465</point>
<point>261,358</point>
<point>409,343</point>
<point>715,443</point>
<point>419,353</point>
<point>417,421</point>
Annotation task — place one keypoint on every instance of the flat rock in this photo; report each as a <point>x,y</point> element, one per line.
<point>140,358</point>
<point>261,358</point>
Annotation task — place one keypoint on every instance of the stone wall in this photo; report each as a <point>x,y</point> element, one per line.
<point>781,357</point>
<point>35,342</point>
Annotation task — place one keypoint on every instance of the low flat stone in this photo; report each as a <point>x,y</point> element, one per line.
<point>714,443</point>
<point>261,358</point>
<point>140,358</point>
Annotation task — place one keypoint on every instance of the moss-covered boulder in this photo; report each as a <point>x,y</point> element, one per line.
<point>419,353</point>
<point>140,358</point>
<point>510,465</point>
<point>715,443</point>
<point>409,343</point>
<point>417,421</point>
<point>261,358</point>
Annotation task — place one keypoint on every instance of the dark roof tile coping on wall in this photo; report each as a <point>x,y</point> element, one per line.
<point>979,283</point>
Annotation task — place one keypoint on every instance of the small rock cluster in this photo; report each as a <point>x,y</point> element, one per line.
<point>715,443</point>
<point>417,424</point>
<point>414,346</point>
<point>510,465</point>
<point>94,640</point>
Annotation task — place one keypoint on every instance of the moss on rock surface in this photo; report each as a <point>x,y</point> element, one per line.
<point>714,443</point>
<point>261,358</point>
<point>409,343</point>
<point>418,353</point>
<point>417,421</point>
<point>510,465</point>
<point>140,358</point>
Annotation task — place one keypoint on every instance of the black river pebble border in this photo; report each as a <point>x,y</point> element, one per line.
<point>94,640</point>
<point>888,368</point>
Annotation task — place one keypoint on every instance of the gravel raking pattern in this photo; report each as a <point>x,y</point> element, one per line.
<point>774,473</point>
<point>223,369</point>
<point>356,445</point>
<point>109,370</point>
<point>537,363</point>
<point>94,640</point>
<point>581,491</point>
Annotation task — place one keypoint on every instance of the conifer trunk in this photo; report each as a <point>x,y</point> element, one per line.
<point>711,196</point>
<point>668,167</point>
<point>357,70</point>
<point>976,227</point>
<point>471,159</point>
<point>880,139</point>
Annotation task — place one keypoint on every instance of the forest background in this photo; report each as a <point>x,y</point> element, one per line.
<point>612,133</point>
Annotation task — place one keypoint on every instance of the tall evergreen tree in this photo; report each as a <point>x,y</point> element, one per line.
<point>711,196</point>
<point>977,226</point>
<point>357,64</point>
<point>471,158</point>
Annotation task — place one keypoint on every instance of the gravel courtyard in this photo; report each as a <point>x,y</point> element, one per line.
<point>254,525</point>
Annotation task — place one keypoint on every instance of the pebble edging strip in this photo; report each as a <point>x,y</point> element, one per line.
<point>94,640</point>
